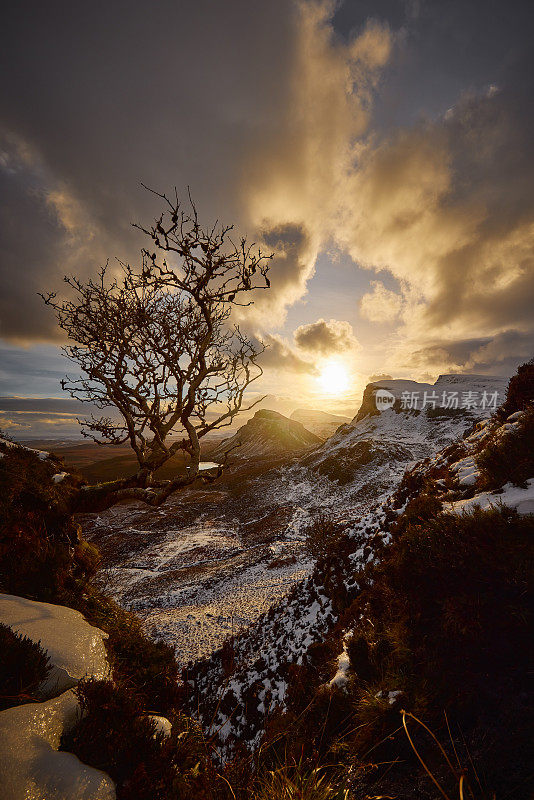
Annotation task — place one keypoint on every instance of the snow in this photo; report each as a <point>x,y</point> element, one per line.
<point>41,454</point>
<point>31,768</point>
<point>59,477</point>
<point>343,664</point>
<point>466,471</point>
<point>511,496</point>
<point>75,648</point>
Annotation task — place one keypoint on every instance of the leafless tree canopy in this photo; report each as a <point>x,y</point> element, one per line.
<point>159,345</point>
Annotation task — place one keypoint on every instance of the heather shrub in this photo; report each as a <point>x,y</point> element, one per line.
<point>24,665</point>
<point>443,621</point>
<point>41,554</point>
<point>114,734</point>
<point>148,667</point>
<point>323,537</point>
<point>520,392</point>
<point>509,457</point>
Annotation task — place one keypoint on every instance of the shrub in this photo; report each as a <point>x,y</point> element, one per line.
<point>510,456</point>
<point>323,537</point>
<point>148,667</point>
<point>520,392</point>
<point>24,665</point>
<point>41,556</point>
<point>444,621</point>
<point>113,735</point>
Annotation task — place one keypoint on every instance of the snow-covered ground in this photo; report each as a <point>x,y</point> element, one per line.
<point>209,563</point>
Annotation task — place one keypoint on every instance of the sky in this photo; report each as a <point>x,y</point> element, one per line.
<point>383,149</point>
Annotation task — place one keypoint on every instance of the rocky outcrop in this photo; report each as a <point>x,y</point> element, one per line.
<point>267,434</point>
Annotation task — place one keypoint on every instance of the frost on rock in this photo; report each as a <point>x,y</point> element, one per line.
<point>59,477</point>
<point>75,648</point>
<point>31,768</point>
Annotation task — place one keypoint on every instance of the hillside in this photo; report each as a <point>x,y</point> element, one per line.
<point>210,562</point>
<point>333,662</point>
<point>321,423</point>
<point>267,434</point>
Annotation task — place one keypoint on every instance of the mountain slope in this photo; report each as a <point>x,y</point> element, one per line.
<point>319,422</point>
<point>268,433</point>
<point>368,460</point>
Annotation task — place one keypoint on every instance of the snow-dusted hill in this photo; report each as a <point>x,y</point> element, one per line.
<point>211,561</point>
<point>267,434</point>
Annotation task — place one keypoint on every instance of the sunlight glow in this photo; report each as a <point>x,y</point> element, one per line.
<point>334,378</point>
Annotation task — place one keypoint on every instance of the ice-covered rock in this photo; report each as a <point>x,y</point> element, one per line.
<point>31,768</point>
<point>75,648</point>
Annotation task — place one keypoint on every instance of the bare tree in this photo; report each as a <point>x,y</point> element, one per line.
<point>159,346</point>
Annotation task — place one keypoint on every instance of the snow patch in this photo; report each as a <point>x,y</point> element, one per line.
<point>343,665</point>
<point>511,496</point>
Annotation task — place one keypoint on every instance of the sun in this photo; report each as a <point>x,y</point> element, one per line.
<point>334,378</point>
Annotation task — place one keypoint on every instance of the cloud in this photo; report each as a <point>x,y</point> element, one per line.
<point>261,127</point>
<point>280,356</point>
<point>324,338</point>
<point>447,207</point>
<point>380,305</point>
<point>501,353</point>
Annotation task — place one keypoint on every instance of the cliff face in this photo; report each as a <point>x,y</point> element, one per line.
<point>458,392</point>
<point>268,433</point>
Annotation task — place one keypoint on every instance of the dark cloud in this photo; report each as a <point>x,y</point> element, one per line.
<point>302,122</point>
<point>503,352</point>
<point>109,95</point>
<point>325,338</point>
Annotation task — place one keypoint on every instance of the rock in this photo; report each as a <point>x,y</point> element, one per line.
<point>75,648</point>
<point>31,768</point>
<point>162,724</point>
